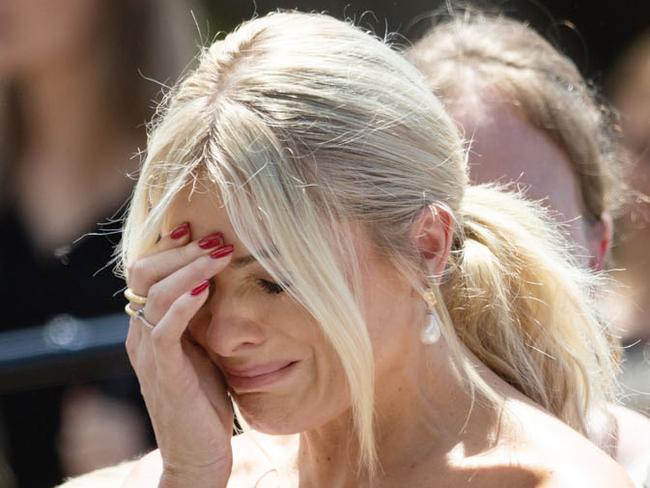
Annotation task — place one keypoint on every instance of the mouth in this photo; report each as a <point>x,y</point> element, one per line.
<point>253,378</point>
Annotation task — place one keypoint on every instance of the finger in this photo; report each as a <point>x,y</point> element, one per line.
<point>165,292</point>
<point>178,236</point>
<point>146,271</point>
<point>212,381</point>
<point>139,356</point>
<point>166,336</point>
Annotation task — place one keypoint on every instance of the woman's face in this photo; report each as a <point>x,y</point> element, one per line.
<point>283,373</point>
<point>506,148</point>
<point>40,34</point>
<point>633,101</point>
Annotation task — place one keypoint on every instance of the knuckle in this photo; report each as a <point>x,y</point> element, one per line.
<point>135,268</point>
<point>160,295</point>
<point>189,252</point>
<point>138,275</point>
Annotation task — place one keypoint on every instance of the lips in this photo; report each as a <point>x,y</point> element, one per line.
<point>254,377</point>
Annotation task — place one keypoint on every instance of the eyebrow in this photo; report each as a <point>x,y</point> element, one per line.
<point>243,261</point>
<point>250,259</point>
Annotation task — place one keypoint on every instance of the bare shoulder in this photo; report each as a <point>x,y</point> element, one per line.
<point>610,476</point>
<point>558,456</point>
<point>530,469</point>
<point>633,441</point>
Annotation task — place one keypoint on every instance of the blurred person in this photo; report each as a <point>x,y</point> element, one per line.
<point>629,88</point>
<point>534,122</point>
<point>74,102</point>
<point>304,242</point>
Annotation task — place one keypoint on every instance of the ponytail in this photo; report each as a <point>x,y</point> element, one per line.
<point>519,302</point>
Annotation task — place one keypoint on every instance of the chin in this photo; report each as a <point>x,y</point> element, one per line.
<point>282,417</point>
<point>270,419</point>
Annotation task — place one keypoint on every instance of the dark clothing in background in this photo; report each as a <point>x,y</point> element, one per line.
<point>34,289</point>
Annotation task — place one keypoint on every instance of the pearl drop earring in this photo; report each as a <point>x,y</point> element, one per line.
<point>430,334</point>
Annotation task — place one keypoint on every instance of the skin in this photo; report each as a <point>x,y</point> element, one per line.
<point>530,158</point>
<point>632,98</point>
<point>236,322</point>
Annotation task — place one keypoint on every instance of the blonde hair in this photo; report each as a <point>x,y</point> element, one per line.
<point>499,53</point>
<point>304,124</point>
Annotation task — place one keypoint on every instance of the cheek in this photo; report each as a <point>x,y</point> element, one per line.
<point>389,311</point>
<point>317,394</point>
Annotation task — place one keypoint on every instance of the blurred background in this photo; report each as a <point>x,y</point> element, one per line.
<point>78,81</point>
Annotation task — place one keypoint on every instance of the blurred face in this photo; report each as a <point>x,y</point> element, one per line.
<point>507,148</point>
<point>633,101</point>
<point>41,34</point>
<point>282,372</point>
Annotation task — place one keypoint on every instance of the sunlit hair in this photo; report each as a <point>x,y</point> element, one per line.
<point>303,124</point>
<point>471,52</point>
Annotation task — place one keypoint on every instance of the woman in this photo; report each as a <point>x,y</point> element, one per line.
<point>630,91</point>
<point>303,241</point>
<point>534,121</point>
<point>73,102</point>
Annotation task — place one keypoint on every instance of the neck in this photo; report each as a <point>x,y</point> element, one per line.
<point>424,414</point>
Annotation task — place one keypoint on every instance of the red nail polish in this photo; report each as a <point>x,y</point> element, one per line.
<point>222,251</point>
<point>200,288</point>
<point>180,231</point>
<point>212,240</point>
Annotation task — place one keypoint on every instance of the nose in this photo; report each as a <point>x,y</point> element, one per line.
<point>233,327</point>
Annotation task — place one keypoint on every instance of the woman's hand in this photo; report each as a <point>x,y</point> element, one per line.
<point>184,391</point>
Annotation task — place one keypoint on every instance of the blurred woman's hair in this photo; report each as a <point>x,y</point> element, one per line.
<point>470,52</point>
<point>303,126</point>
<point>153,42</point>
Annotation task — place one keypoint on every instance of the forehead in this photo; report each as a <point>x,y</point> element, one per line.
<point>203,209</point>
<point>506,148</point>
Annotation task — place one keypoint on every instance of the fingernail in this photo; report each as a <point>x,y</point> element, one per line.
<point>212,240</point>
<point>180,231</point>
<point>200,288</point>
<point>222,251</point>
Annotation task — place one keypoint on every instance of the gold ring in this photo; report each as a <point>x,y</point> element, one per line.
<point>130,312</point>
<point>132,297</point>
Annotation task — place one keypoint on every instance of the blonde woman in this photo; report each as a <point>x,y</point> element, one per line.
<point>534,121</point>
<point>303,241</point>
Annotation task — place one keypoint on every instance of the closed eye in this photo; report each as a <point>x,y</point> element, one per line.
<point>271,287</point>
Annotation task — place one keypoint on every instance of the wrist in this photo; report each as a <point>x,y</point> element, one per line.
<point>183,481</point>
<point>216,476</point>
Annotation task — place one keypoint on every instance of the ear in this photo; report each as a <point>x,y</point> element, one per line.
<point>600,241</point>
<point>433,232</point>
